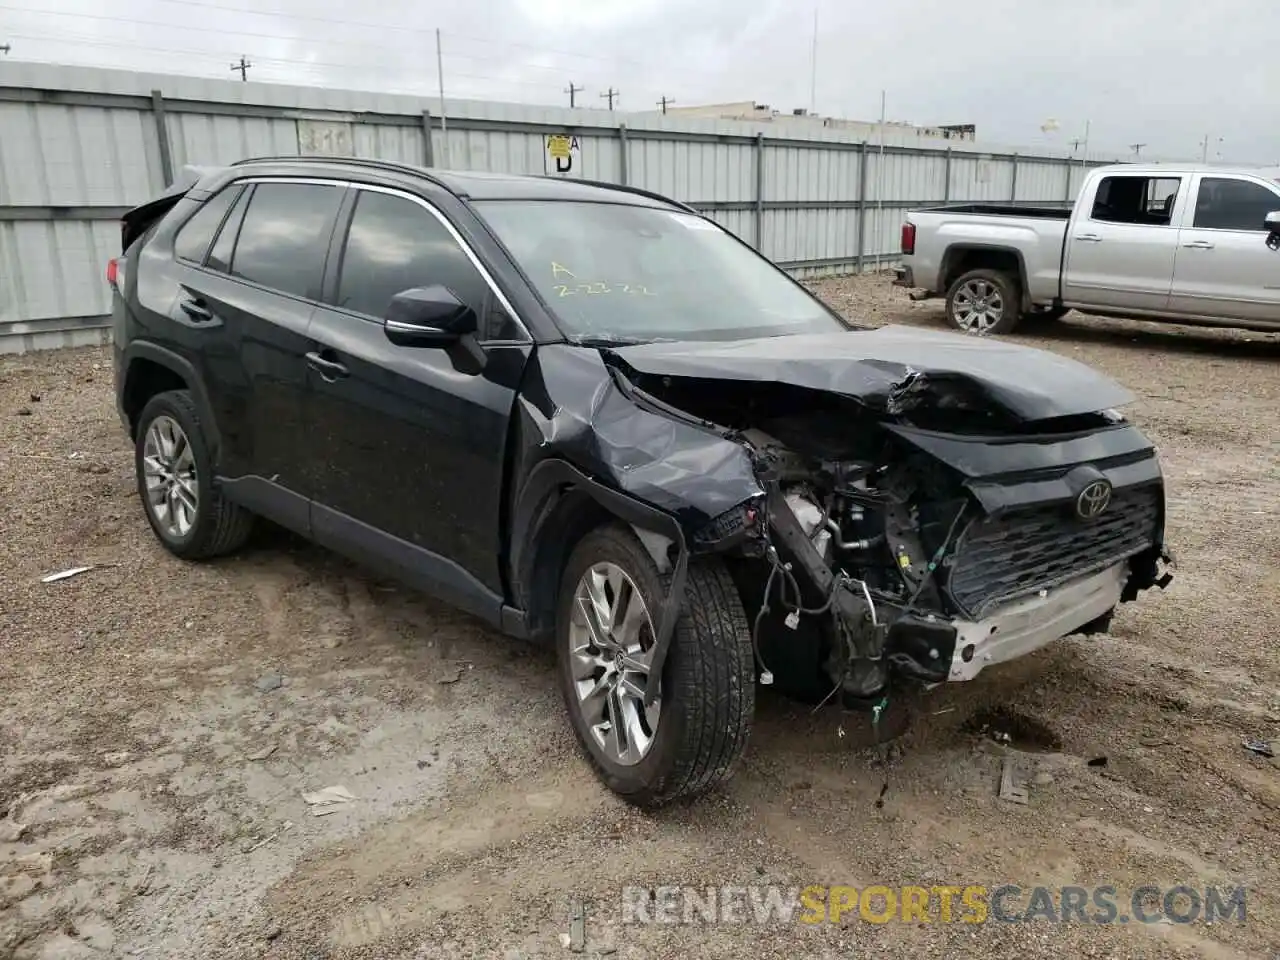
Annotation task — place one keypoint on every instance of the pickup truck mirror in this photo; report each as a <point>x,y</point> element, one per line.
<point>427,316</point>
<point>1272,221</point>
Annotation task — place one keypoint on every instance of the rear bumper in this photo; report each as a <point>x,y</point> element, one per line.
<point>902,277</point>
<point>1024,627</point>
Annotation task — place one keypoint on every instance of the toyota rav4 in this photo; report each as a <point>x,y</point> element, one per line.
<point>586,414</point>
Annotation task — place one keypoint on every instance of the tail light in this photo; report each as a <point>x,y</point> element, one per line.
<point>113,271</point>
<point>908,238</point>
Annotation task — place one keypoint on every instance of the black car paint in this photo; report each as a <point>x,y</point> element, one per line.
<point>458,468</point>
<point>881,368</point>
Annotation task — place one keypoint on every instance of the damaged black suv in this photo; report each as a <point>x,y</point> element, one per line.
<point>585,413</point>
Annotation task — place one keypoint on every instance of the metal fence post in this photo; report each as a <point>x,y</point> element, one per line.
<point>624,174</point>
<point>759,210</point>
<point>946,187</point>
<point>1066,187</point>
<point>862,201</point>
<point>1013,187</point>
<point>162,135</point>
<point>428,149</point>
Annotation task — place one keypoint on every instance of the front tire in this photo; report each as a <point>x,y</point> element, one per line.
<point>186,511</point>
<point>983,303</point>
<point>609,608</point>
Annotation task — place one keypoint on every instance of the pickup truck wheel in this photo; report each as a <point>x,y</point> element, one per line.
<point>688,739</point>
<point>983,302</point>
<point>175,481</point>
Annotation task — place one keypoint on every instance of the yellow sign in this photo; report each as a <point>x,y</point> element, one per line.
<point>561,149</point>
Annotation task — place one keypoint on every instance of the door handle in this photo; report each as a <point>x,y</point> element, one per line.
<point>1089,237</point>
<point>330,370</point>
<point>1199,245</point>
<point>196,310</point>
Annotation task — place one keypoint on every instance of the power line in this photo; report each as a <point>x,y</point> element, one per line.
<point>243,66</point>
<point>345,43</point>
<point>610,95</point>
<point>664,100</point>
<point>335,21</point>
<point>573,92</point>
<point>307,65</point>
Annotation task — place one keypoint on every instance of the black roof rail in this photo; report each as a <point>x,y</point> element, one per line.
<point>629,189</point>
<point>393,165</point>
<point>426,173</point>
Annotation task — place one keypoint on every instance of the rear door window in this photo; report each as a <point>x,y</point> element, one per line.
<point>194,237</point>
<point>1136,199</point>
<point>285,236</point>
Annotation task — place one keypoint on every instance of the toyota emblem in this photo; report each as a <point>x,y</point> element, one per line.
<point>1093,500</point>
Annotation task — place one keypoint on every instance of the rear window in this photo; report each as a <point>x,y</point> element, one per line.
<point>285,236</point>
<point>193,240</point>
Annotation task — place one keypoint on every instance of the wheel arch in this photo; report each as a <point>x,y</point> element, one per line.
<point>150,369</point>
<point>960,258</point>
<point>557,506</point>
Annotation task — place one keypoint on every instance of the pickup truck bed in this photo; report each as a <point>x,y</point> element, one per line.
<point>1184,244</point>
<point>1003,210</point>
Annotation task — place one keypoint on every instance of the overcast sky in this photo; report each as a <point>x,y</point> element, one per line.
<point>1164,73</point>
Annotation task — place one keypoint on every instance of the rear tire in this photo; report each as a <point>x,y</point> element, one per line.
<point>983,303</point>
<point>186,510</point>
<point>707,694</point>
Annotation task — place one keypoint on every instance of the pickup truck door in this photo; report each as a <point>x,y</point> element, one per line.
<point>408,443</point>
<point>1224,268</point>
<point>1121,242</point>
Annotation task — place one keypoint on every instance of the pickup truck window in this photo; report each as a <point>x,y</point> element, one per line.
<point>1136,199</point>
<point>611,271</point>
<point>1224,204</point>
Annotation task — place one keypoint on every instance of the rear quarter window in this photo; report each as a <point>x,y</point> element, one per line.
<point>194,236</point>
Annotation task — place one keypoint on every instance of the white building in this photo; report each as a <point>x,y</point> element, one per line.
<point>894,131</point>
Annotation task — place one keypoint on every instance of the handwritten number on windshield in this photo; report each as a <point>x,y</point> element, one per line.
<point>600,287</point>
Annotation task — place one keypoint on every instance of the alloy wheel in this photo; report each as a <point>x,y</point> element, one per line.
<point>169,472</point>
<point>978,306</point>
<point>611,641</point>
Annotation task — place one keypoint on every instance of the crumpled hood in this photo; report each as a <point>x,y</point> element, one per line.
<point>893,368</point>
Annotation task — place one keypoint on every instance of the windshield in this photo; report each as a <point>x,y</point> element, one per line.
<point>620,273</point>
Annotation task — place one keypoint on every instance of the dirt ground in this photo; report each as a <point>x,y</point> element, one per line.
<point>160,723</point>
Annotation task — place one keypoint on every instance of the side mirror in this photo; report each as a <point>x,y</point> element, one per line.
<point>427,316</point>
<point>1272,221</point>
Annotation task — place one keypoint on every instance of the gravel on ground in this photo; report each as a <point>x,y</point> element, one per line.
<point>160,723</point>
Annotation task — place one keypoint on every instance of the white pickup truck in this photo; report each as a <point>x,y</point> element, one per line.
<point>1185,244</point>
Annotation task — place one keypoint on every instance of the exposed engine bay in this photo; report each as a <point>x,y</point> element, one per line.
<point>923,544</point>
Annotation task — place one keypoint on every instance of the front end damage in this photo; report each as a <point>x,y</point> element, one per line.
<point>916,525</point>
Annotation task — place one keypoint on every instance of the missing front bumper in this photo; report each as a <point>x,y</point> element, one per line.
<point>1026,626</point>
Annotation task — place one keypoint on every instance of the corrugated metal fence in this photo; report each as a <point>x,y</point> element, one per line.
<point>80,146</point>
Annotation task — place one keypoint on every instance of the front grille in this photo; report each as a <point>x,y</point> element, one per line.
<point>1023,551</point>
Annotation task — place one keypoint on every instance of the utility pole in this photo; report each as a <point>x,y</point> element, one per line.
<point>610,95</point>
<point>573,92</point>
<point>1137,150</point>
<point>813,66</point>
<point>444,124</point>
<point>664,101</point>
<point>243,66</point>
<point>4,49</point>
<point>1204,149</point>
